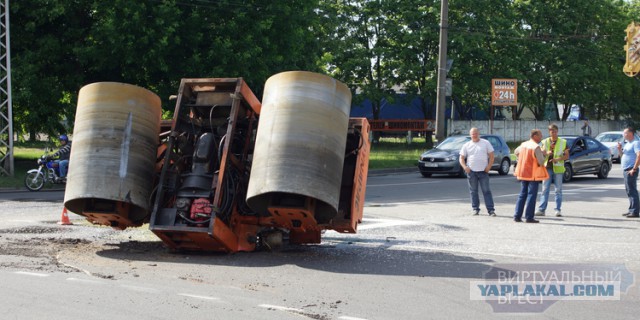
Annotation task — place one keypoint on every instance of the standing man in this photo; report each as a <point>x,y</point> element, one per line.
<point>556,152</point>
<point>629,163</point>
<point>476,158</point>
<point>586,129</point>
<point>530,171</point>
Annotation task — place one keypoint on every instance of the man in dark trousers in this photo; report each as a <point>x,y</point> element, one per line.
<point>529,171</point>
<point>586,129</point>
<point>629,162</point>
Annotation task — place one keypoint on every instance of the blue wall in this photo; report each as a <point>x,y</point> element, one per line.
<point>403,109</point>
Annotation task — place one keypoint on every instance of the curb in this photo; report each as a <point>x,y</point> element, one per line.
<point>9,190</point>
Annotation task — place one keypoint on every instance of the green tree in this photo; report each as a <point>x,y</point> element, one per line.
<point>414,45</point>
<point>484,43</point>
<point>563,51</point>
<point>156,43</point>
<point>44,69</point>
<point>571,49</point>
<point>357,49</point>
<point>61,45</point>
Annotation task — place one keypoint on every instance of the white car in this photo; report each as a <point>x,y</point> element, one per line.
<point>611,139</point>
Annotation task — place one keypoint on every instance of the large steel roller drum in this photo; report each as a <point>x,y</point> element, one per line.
<point>300,143</point>
<point>113,154</point>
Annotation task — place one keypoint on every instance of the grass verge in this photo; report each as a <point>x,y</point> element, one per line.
<point>396,153</point>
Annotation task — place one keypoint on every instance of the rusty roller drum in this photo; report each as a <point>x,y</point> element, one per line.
<point>112,160</point>
<point>300,143</point>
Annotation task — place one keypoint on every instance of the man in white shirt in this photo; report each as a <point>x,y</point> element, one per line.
<point>476,158</point>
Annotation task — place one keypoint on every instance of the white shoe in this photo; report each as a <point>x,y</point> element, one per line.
<point>558,214</point>
<point>540,213</point>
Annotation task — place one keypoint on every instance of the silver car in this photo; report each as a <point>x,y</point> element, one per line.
<point>444,158</point>
<point>611,140</point>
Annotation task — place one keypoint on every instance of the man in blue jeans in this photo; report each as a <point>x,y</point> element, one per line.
<point>529,171</point>
<point>556,152</point>
<point>629,163</point>
<point>63,156</point>
<point>476,158</point>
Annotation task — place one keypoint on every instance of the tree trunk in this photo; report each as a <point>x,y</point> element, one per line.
<point>429,139</point>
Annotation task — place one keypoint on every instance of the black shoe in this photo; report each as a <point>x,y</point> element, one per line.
<point>633,215</point>
<point>532,221</point>
<point>517,220</point>
<point>492,213</point>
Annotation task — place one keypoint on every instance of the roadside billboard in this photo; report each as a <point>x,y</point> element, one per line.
<point>504,92</point>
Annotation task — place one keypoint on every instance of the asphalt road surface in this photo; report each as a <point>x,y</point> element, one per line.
<point>419,254</point>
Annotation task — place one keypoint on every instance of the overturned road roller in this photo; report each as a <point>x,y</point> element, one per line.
<point>228,173</point>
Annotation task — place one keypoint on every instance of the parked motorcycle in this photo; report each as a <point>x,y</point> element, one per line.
<point>47,172</point>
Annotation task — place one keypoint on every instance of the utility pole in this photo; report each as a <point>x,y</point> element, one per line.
<point>442,71</point>
<point>6,117</point>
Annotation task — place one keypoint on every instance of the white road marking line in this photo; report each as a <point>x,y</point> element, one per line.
<point>198,296</point>
<point>391,204</point>
<point>281,308</point>
<point>383,223</point>
<point>552,191</point>
<point>72,266</point>
<point>32,274</point>
<point>350,318</point>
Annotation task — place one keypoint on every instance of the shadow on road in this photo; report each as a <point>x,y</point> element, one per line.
<point>341,257</point>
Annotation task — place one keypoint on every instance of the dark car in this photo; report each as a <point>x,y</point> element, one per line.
<point>444,158</point>
<point>586,156</point>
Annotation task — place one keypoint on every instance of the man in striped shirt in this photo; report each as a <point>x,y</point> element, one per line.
<point>63,155</point>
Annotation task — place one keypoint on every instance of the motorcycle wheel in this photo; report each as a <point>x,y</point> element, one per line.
<point>34,181</point>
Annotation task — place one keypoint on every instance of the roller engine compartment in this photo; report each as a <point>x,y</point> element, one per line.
<point>202,199</point>
<point>206,164</point>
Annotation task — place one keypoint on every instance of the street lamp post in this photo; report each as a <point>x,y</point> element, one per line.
<point>442,72</point>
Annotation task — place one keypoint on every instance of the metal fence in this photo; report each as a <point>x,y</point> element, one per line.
<point>516,131</point>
